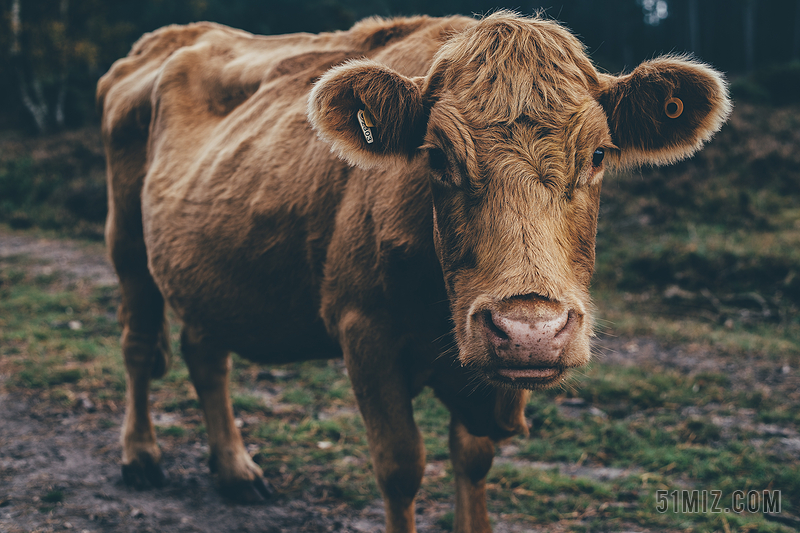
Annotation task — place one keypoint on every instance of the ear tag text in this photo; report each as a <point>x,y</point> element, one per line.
<point>364,120</point>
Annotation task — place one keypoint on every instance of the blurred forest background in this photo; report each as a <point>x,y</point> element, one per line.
<point>53,51</point>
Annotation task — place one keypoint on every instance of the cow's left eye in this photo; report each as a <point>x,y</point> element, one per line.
<point>597,157</point>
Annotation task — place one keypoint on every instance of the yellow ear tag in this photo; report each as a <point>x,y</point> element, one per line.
<point>673,107</point>
<point>369,118</point>
<point>365,125</point>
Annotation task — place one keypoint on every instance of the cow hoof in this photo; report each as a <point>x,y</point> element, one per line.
<point>256,491</point>
<point>144,473</point>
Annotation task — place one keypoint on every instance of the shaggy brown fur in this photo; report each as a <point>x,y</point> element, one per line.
<point>468,221</point>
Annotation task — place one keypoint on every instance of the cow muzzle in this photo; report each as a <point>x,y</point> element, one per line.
<point>529,340</point>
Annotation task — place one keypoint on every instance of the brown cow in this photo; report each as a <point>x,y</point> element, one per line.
<point>437,230</point>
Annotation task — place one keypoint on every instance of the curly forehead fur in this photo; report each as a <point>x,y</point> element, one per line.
<point>506,66</point>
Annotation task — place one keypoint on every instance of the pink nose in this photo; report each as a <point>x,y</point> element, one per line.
<point>521,338</point>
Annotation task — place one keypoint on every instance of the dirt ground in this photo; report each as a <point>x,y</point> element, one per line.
<point>76,450</point>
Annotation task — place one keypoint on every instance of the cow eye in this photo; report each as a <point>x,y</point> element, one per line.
<point>437,160</point>
<point>597,157</point>
<point>442,169</point>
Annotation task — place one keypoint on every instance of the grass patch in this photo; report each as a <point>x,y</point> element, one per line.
<point>39,349</point>
<point>247,403</point>
<point>53,496</point>
<point>172,431</point>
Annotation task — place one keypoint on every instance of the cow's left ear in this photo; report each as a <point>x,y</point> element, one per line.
<point>369,113</point>
<point>664,110</point>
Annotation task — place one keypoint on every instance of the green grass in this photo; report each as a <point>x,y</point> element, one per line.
<point>247,403</point>
<point>54,496</point>
<point>44,352</point>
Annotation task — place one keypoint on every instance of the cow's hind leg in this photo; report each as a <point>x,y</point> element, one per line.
<point>145,347</point>
<point>240,479</point>
<point>472,458</point>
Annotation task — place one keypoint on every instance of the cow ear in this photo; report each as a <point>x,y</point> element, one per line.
<point>664,110</point>
<point>368,113</point>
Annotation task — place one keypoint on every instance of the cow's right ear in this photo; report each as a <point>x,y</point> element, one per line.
<point>368,113</point>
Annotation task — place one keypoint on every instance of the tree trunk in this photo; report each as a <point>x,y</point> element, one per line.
<point>62,89</point>
<point>30,86</point>
<point>796,44</point>
<point>35,104</point>
<point>16,29</point>
<point>750,35</point>
<point>62,93</point>
<point>694,27</point>
<point>34,101</point>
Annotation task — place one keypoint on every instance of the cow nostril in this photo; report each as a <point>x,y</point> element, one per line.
<point>572,317</point>
<point>494,328</point>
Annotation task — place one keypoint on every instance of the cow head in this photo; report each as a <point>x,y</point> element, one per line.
<point>515,128</point>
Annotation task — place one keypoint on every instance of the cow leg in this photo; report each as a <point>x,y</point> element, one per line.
<point>472,458</point>
<point>239,477</point>
<point>145,347</point>
<point>381,388</point>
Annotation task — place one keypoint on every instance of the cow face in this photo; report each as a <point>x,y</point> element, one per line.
<point>516,129</point>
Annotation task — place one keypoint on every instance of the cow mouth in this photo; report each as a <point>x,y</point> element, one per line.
<point>528,378</point>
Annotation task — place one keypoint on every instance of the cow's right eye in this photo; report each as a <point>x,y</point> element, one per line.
<point>437,160</point>
<point>597,157</point>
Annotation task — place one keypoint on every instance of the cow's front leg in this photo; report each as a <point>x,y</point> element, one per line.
<point>381,386</point>
<point>240,478</point>
<point>472,458</point>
